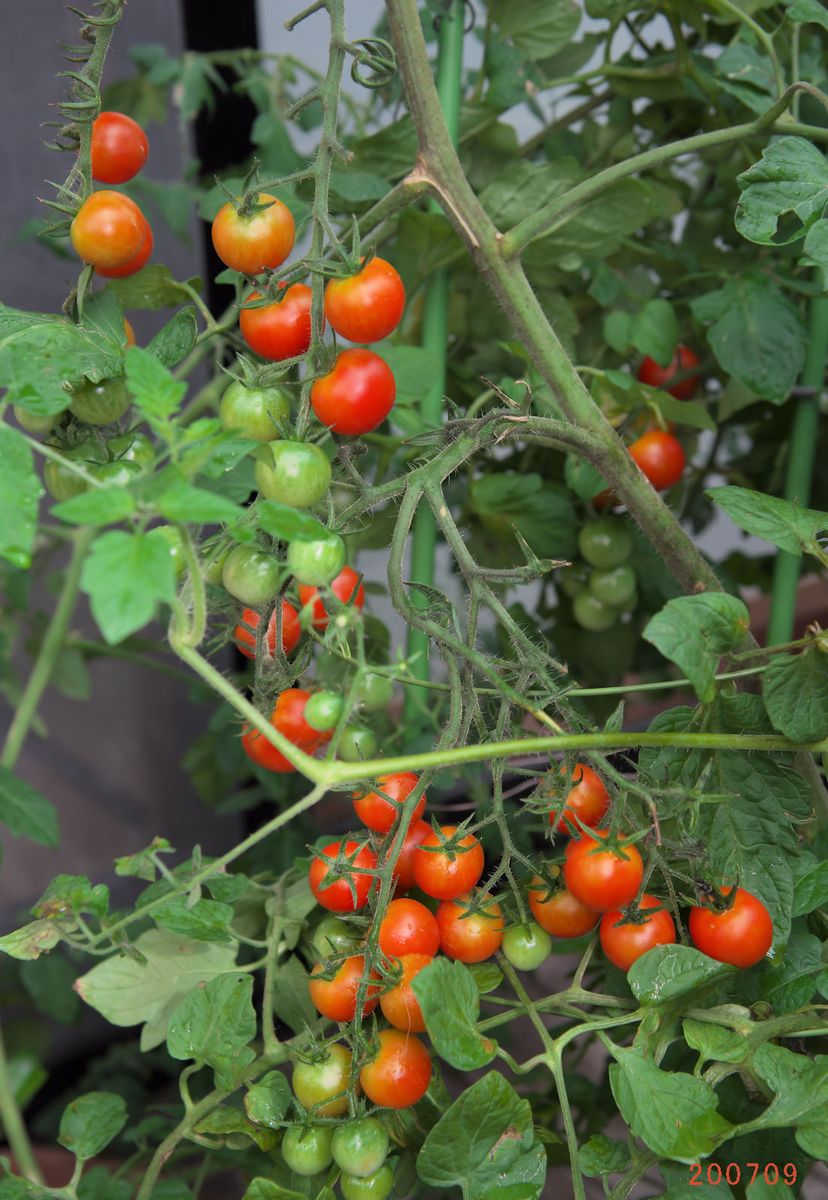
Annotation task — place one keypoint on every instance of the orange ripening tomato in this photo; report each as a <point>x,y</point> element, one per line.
<point>379,809</point>
<point>119,148</point>
<point>134,264</point>
<point>343,895</point>
<point>445,875</point>
<point>625,941</point>
<point>357,395</point>
<point>400,1072</point>
<point>654,375</point>
<point>347,588</point>
<point>587,799</point>
<point>560,913</point>
<point>740,935</point>
<point>400,1006</point>
<point>336,998</point>
<point>245,632</point>
<point>404,866</point>
<point>250,242</point>
<point>282,330</point>
<point>660,456</point>
<point>602,878</point>
<point>408,927</point>
<point>108,230</point>
<point>470,937</point>
<point>366,307</point>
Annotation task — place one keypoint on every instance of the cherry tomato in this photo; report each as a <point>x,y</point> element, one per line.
<point>100,403</point>
<point>654,375</point>
<point>320,1086</point>
<point>60,481</point>
<point>282,330</point>
<point>561,914</point>
<point>316,563</point>
<point>251,242</point>
<point>288,717</point>
<point>380,811</point>
<point>400,1006</point>
<point>366,307</point>
<point>133,264</point>
<point>108,230</point>
<point>119,148</point>
<point>408,927</point>
<point>323,710</point>
<point>592,614</point>
<point>404,866</point>
<point>360,1147</point>
<point>129,333</point>
<point>294,473</point>
<point>306,1149</point>
<point>614,586</point>
<point>624,941</point>
<point>357,395</point>
<point>343,895</point>
<point>526,946</point>
<point>572,579</point>
<point>336,998</point>
<point>587,799</point>
<point>116,474</point>
<point>741,935</point>
<point>245,633</point>
<point>373,1187</point>
<point>605,542</point>
<point>602,879</point>
<point>439,874</point>
<point>470,937</point>
<point>34,422</point>
<point>356,744</point>
<point>399,1074</point>
<point>333,937</point>
<point>253,413</point>
<point>660,457</point>
<point>134,447</point>
<point>346,587</point>
<point>374,692</point>
<point>251,576</point>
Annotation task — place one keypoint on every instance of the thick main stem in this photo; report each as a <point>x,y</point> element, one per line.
<point>13,1124</point>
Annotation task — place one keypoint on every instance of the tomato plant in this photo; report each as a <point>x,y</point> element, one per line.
<point>360,1147</point>
<point>251,576</point>
<point>245,631</point>
<point>320,1084</point>
<point>660,456</point>
<point>306,1149</point>
<point>350,882</point>
<point>682,363</point>
<point>470,932</point>
<point>253,413</point>
<point>346,586</point>
<point>337,997</point>
<point>315,563</point>
<point>560,914</point>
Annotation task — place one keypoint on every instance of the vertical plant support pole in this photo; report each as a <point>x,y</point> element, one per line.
<point>435,331</point>
<point>800,465</point>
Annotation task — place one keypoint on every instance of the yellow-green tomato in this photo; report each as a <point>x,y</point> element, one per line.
<point>60,480</point>
<point>100,403</point>
<point>251,576</point>
<point>360,1147</point>
<point>356,744</point>
<point>316,563</point>
<point>321,1085</point>
<point>33,422</point>
<point>254,413</point>
<point>306,1149</point>
<point>370,1187</point>
<point>295,473</point>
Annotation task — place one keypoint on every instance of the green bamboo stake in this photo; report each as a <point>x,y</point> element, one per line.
<point>800,470</point>
<point>435,330</point>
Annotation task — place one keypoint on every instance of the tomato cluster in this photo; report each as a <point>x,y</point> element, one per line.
<point>602,585</point>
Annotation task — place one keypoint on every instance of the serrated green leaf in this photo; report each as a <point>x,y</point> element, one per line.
<point>151,288</point>
<point>795,690</point>
<point>204,921</point>
<point>214,1024</point>
<point>151,385</point>
<point>450,1003</point>
<point>666,973</point>
<point>30,941</point>
<point>790,179</point>
<point>194,505</point>
<point>20,492</point>
<point>537,31</point>
<point>289,524</point>
<point>695,631</point>
<point>786,524</point>
<point>125,576</point>
<point>175,340</point>
<point>102,506</point>
<point>91,1122</point>
<point>25,812</point>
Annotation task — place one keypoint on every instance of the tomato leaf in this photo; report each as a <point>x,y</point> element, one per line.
<point>795,690</point>
<point>810,889</point>
<point>800,1087</point>
<point>30,941</point>
<point>289,524</point>
<point>666,973</point>
<point>102,506</point>
<point>537,31</point>
<point>91,1122</point>
<point>175,340</point>
<point>151,385</point>
<point>695,631</point>
<point>20,493</point>
<point>450,1003</point>
<point>268,1100</point>
<point>194,505</point>
<point>790,179</point>
<point>204,921</point>
<point>26,813</point>
<point>782,522</point>
<point>125,575</point>
<point>811,11</point>
<point>603,1156</point>
<point>151,288</point>
<point>291,1000</point>
<point>214,1024</point>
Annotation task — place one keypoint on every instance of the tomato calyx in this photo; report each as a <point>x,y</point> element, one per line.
<point>342,867</point>
<point>450,846</point>
<point>718,900</point>
<point>639,913</point>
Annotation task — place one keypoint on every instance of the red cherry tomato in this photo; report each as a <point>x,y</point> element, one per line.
<point>560,913</point>
<point>587,799</point>
<point>282,330</point>
<point>336,998</point>
<point>357,395</point>
<point>133,264</point>
<point>408,927</point>
<point>400,1006</point>
<point>119,148</point>
<point>250,243</point>
<point>108,230</point>
<point>657,376</point>
<point>741,935</point>
<point>380,808</point>
<point>438,874</point>
<point>624,942</point>
<point>399,1074</point>
<point>288,717</point>
<point>259,750</point>
<point>346,587</point>
<point>469,938</point>
<point>404,867</point>
<point>338,896</point>
<point>661,458</point>
<point>366,307</point>
<point>245,633</point>
<point>602,879</point>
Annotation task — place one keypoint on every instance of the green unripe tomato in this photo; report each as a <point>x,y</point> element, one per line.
<point>526,946</point>
<point>356,744</point>
<point>100,403</point>
<point>374,692</point>
<point>172,537</point>
<point>61,482</point>
<point>614,586</point>
<point>572,580</point>
<point>317,563</point>
<point>115,474</point>
<point>629,605</point>
<point>606,542</point>
<point>321,1084</point>
<point>323,710</point>
<point>253,413</point>
<point>214,564</point>
<point>295,473</point>
<point>592,614</point>
<point>251,576</point>
<point>370,1187</point>
<point>332,936</point>
<point>360,1147</point>
<point>133,447</point>
<point>306,1149</point>
<point>33,422</point>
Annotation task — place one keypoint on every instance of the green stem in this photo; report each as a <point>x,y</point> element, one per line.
<point>13,1124</point>
<point>50,648</point>
<point>435,339</point>
<point>801,457</point>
